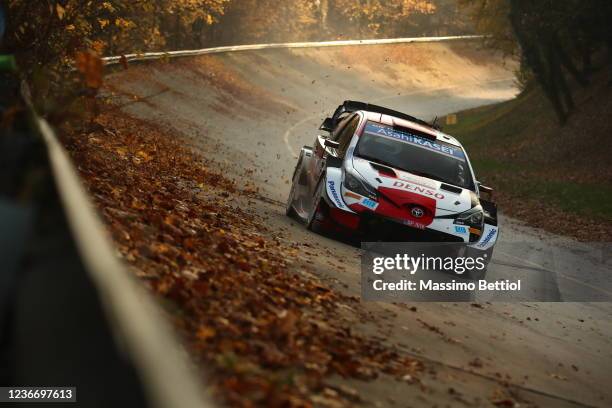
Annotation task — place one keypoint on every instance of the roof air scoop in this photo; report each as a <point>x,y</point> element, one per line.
<point>384,170</point>
<point>450,188</point>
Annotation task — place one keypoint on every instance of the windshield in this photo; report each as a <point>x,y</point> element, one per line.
<point>410,152</point>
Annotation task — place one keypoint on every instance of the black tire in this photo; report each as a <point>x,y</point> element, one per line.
<point>476,274</point>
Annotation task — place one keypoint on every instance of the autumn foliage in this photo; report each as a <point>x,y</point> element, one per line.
<point>43,32</point>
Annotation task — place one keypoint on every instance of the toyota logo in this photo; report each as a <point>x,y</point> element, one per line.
<point>417,212</point>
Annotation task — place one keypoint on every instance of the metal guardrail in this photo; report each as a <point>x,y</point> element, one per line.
<point>136,321</point>
<point>322,44</point>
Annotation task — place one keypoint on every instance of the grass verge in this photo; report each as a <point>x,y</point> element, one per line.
<point>553,177</point>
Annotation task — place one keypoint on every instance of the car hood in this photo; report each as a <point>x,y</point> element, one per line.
<point>401,186</point>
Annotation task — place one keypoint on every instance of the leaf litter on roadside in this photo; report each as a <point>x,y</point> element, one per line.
<point>268,335</point>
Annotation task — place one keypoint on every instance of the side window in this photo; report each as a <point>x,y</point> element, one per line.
<point>345,136</point>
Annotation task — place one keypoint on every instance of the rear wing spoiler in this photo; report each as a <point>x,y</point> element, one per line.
<point>353,106</point>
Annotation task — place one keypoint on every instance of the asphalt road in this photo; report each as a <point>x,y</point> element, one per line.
<point>252,111</point>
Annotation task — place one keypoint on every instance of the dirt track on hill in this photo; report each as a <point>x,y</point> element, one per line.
<point>252,111</point>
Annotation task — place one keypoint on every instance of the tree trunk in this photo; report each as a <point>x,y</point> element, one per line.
<point>532,54</point>
<point>324,12</point>
<point>177,29</point>
<point>557,79</point>
<point>567,62</point>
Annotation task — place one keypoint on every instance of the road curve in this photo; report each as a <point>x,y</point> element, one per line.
<point>252,111</point>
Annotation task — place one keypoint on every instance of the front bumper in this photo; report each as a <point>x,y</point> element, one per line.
<point>345,216</point>
<point>376,227</point>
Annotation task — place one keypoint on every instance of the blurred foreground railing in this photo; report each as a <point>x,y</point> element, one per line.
<point>71,314</point>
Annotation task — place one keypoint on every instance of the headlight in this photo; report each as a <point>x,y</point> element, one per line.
<point>354,183</point>
<point>472,218</point>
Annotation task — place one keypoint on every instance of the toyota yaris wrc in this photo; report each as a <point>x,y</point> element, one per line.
<point>386,175</point>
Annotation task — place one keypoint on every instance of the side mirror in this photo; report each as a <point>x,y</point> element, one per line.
<point>327,125</point>
<point>485,189</point>
<point>331,143</point>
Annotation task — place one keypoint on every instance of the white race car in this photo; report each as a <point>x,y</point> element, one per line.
<point>389,176</point>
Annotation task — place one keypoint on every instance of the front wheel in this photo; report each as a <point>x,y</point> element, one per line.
<point>476,274</point>
<point>289,210</point>
<point>316,215</point>
<point>479,274</point>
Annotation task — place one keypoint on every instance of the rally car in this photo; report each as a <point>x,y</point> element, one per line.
<point>385,175</point>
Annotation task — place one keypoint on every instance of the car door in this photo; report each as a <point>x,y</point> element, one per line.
<point>319,152</point>
<point>343,137</point>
